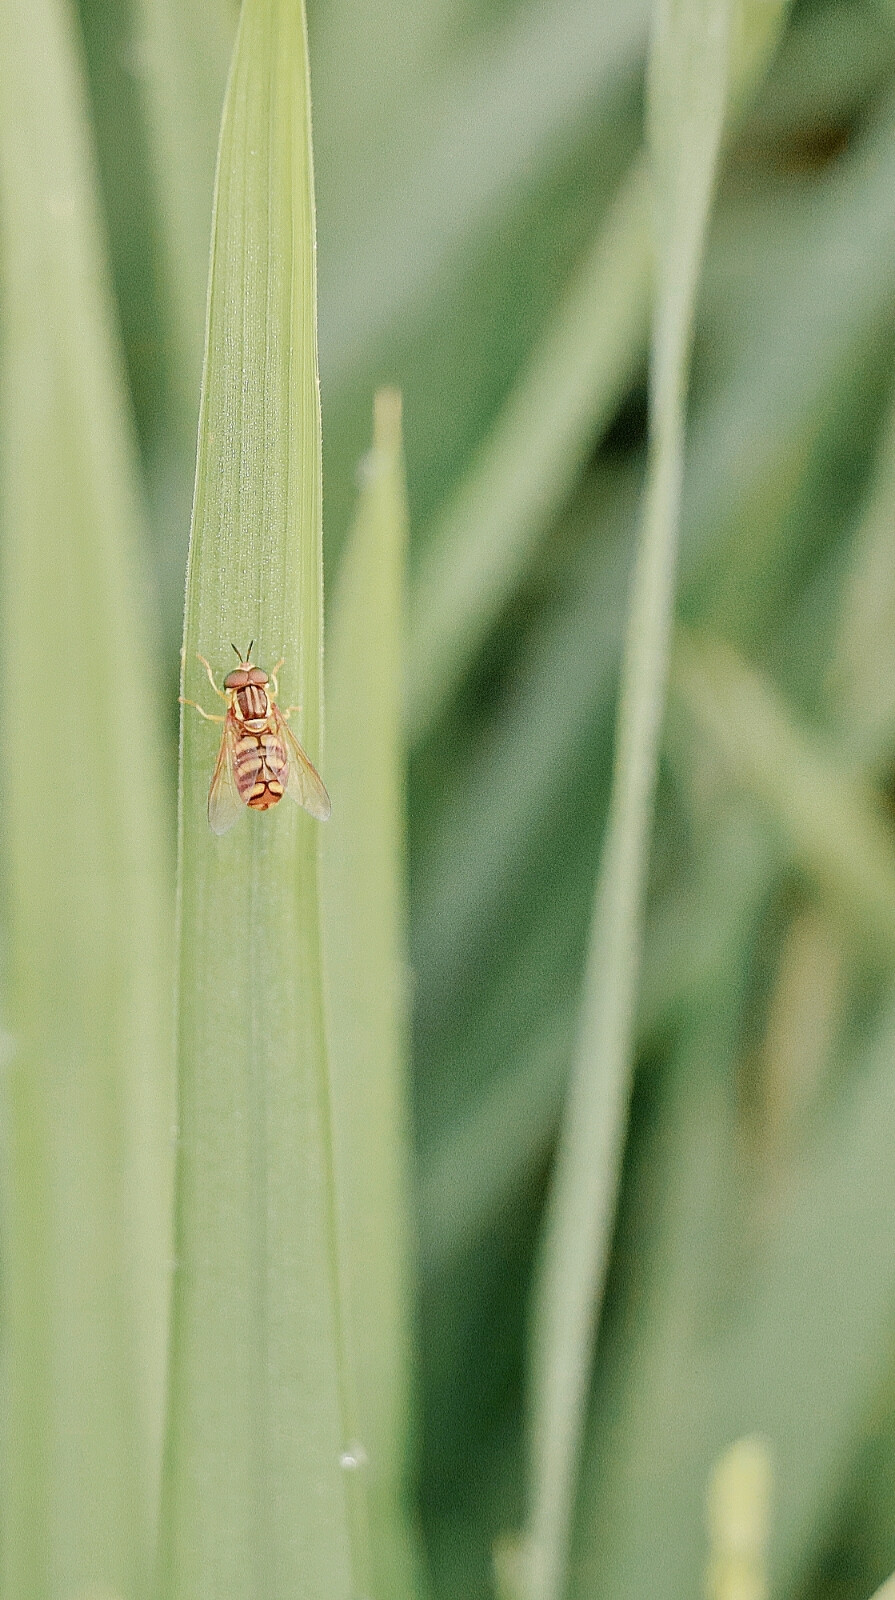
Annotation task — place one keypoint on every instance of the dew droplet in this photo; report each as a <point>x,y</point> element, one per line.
<point>353,1457</point>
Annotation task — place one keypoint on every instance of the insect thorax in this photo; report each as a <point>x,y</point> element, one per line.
<point>251,703</point>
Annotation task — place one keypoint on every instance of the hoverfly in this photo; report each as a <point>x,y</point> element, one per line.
<point>260,758</point>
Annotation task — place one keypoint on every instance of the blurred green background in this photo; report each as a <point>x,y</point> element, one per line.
<point>483,246</point>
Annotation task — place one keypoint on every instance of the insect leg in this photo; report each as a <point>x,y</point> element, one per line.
<point>286,711</point>
<point>214,686</point>
<point>206,714</point>
<point>275,678</point>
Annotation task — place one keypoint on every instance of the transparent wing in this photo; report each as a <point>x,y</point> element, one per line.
<point>225,804</point>
<point>304,784</point>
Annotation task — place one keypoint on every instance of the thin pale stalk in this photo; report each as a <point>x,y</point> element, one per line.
<point>688,91</point>
<point>483,540</point>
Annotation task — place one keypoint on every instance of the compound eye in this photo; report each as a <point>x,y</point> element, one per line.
<point>237,679</point>
<point>259,676</point>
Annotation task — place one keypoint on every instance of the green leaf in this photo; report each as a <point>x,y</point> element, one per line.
<point>254,1493</point>
<point>833,824</point>
<point>705,1364</point>
<point>738,1517</point>
<point>688,88</point>
<point>747,448</point>
<point>501,114</point>
<point>183,48</point>
<point>87,1087</point>
<point>483,539</point>
<point>364,915</point>
<point>655,1365</point>
<point>864,702</point>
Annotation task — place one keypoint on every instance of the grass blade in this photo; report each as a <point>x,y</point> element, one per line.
<point>481,543</point>
<point>254,1501</point>
<point>88,1099</point>
<point>784,1337</point>
<point>834,824</point>
<point>501,115</point>
<point>688,87</point>
<point>364,920</point>
<point>748,452</point>
<point>184,52</point>
<point>864,703</point>
<point>738,1515</point>
<point>586,359</point>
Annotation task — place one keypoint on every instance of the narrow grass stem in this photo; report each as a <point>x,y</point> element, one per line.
<point>688,89</point>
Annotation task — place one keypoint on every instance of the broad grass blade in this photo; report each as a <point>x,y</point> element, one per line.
<point>254,1493</point>
<point>87,1087</point>
<point>364,922</point>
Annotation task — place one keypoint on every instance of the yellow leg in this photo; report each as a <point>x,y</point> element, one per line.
<point>206,714</point>
<point>275,678</point>
<point>214,686</point>
<point>288,710</point>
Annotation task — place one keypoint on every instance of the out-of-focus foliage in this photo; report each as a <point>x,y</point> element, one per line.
<point>483,237</point>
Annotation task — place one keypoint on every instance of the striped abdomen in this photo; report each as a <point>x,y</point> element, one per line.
<point>260,767</point>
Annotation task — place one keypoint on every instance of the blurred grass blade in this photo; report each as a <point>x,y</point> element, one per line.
<point>501,116</point>
<point>739,1507</point>
<point>183,48</point>
<point>756,26</point>
<point>833,1229</point>
<point>363,906</point>
<point>481,544</point>
<point>687,94</point>
<point>254,1499</point>
<point>763,1351</point>
<point>864,702</point>
<point>836,828</point>
<point>482,1160</point>
<point>749,449</point>
<point>88,1096</point>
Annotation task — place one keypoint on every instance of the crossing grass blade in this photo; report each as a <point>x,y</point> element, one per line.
<point>482,543</point>
<point>832,1227</point>
<point>688,92</point>
<point>254,1495</point>
<point>364,915</point>
<point>502,114</point>
<point>483,539</point>
<point>834,825</point>
<point>87,1086</point>
<point>864,707</point>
